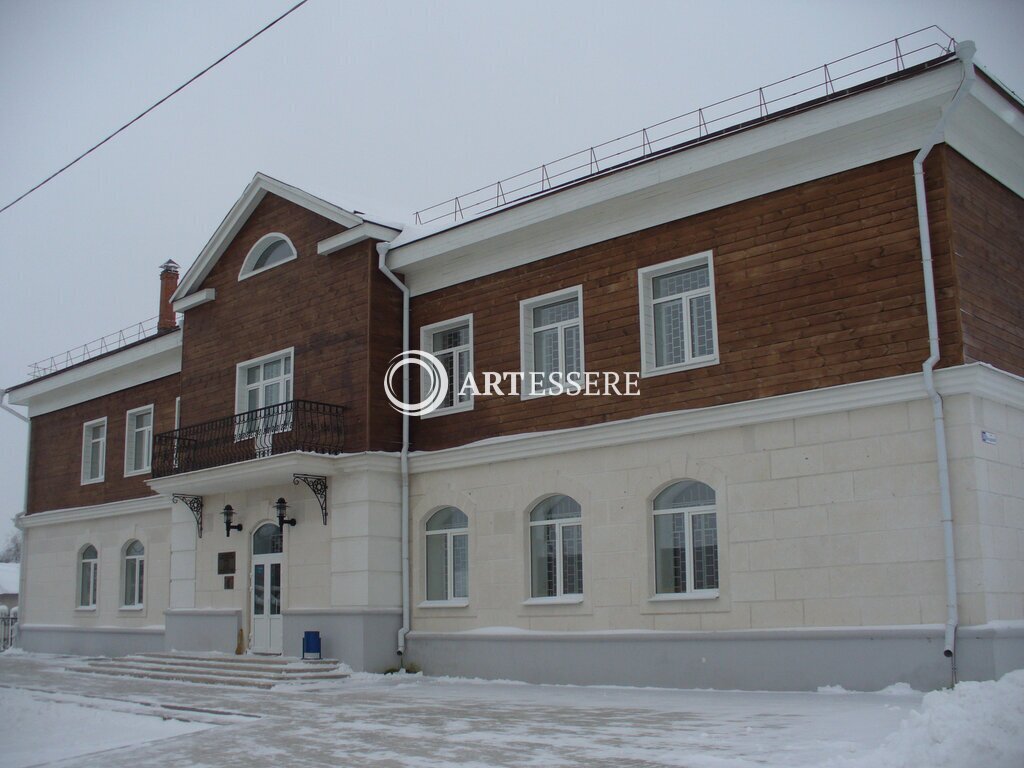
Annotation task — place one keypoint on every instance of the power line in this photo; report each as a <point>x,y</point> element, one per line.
<point>141,115</point>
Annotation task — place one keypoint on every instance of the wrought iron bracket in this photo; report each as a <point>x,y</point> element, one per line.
<point>318,485</point>
<point>195,504</point>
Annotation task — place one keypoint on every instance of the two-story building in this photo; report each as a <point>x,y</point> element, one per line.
<point>818,479</point>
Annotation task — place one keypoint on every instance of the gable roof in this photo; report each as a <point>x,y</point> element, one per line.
<point>254,193</point>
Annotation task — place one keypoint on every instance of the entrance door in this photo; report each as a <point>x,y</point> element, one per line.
<point>267,571</point>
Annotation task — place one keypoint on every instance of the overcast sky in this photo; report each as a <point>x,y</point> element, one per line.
<point>383,106</point>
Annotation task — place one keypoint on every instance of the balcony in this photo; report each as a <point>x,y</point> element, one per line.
<point>298,425</point>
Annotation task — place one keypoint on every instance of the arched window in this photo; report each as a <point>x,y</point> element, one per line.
<point>134,571</point>
<point>556,548</point>
<point>269,251</point>
<point>88,561</point>
<point>448,555</point>
<point>267,540</point>
<point>685,539</point>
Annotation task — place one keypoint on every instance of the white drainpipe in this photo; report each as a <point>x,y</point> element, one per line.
<point>382,251</point>
<point>965,52</point>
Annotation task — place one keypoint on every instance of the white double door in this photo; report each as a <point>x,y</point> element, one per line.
<point>267,628</point>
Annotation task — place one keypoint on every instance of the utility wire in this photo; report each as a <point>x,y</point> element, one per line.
<point>141,115</point>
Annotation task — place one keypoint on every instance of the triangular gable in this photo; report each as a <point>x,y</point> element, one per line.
<point>239,214</point>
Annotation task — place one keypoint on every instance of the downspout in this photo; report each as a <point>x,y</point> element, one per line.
<point>965,52</point>
<point>382,251</point>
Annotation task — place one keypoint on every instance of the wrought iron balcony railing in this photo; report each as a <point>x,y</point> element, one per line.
<point>298,425</point>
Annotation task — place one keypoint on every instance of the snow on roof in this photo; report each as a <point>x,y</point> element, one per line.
<point>9,576</point>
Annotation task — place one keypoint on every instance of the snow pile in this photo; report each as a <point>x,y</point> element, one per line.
<point>9,578</point>
<point>978,724</point>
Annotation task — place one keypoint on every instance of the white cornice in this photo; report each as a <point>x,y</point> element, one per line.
<point>879,123</point>
<point>94,512</point>
<point>128,367</point>
<point>977,378</point>
<point>196,299</point>
<point>239,214</point>
<point>364,231</point>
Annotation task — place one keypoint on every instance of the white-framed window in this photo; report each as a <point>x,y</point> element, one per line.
<point>262,383</point>
<point>451,342</point>
<point>556,548</point>
<point>678,320</point>
<point>447,541</point>
<point>138,441</point>
<point>88,570</point>
<point>551,339</point>
<point>94,450</point>
<point>685,540</point>
<point>134,574</point>
<point>270,251</point>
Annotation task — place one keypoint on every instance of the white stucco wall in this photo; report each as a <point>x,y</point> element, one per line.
<point>826,520</point>
<point>51,571</point>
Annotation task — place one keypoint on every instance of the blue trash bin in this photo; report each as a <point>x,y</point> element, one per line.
<point>311,644</point>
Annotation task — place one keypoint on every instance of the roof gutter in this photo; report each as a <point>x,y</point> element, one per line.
<point>4,406</point>
<point>382,251</point>
<point>965,52</point>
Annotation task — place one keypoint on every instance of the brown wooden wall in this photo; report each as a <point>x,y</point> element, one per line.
<point>987,221</point>
<point>55,450</point>
<point>816,285</point>
<point>321,305</point>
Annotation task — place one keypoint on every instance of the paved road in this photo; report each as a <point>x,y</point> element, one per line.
<point>408,721</point>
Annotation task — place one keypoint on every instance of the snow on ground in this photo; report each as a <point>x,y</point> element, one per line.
<point>415,721</point>
<point>976,724</point>
<point>39,728</point>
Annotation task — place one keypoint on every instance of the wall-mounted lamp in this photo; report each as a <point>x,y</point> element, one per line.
<point>229,513</point>
<point>282,509</point>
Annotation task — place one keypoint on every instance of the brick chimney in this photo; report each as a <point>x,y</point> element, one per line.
<point>168,285</point>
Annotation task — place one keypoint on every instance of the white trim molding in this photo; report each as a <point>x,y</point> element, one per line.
<point>94,512</point>
<point>976,378</point>
<point>197,299</point>
<point>358,234</point>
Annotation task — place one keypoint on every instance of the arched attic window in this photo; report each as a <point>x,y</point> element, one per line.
<point>270,251</point>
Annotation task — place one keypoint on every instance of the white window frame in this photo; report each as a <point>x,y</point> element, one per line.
<point>139,565</point>
<point>688,514</point>
<point>645,282</point>
<point>87,449</point>
<point>131,435</point>
<point>256,251</point>
<point>94,569</point>
<point>561,596</point>
<point>450,600</point>
<point>527,331</point>
<point>242,393</point>
<point>427,345</point>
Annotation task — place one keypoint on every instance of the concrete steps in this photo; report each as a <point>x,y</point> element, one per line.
<point>218,669</point>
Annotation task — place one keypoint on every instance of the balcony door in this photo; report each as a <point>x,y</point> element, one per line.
<point>267,584</point>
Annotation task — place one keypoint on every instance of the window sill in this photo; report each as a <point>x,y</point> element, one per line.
<point>132,608</point>
<point>647,373</point>
<point>704,594</point>
<point>135,472</point>
<point>93,481</point>
<point>457,603</point>
<point>86,609</point>
<point>560,600</point>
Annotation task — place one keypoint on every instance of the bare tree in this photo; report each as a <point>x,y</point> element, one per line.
<point>11,553</point>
